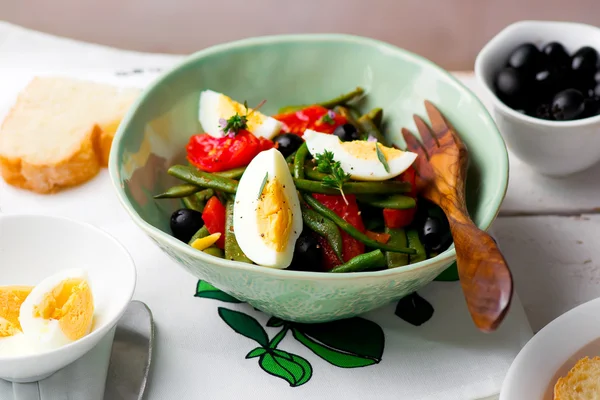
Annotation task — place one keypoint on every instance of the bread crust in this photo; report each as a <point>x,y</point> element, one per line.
<point>80,165</point>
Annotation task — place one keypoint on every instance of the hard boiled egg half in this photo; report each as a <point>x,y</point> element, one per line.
<point>58,311</point>
<point>215,107</point>
<point>359,158</point>
<point>266,214</point>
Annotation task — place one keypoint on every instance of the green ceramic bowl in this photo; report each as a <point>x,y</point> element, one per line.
<point>298,69</point>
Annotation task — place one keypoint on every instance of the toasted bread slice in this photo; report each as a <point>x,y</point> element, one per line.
<point>59,132</point>
<point>581,383</point>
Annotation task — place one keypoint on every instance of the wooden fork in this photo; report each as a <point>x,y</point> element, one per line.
<point>441,174</point>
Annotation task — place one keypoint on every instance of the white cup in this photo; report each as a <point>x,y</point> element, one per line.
<point>34,247</point>
<point>554,148</point>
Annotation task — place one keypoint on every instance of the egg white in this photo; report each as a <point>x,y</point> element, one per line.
<point>214,106</point>
<point>359,168</point>
<point>245,224</point>
<point>16,345</point>
<point>45,334</point>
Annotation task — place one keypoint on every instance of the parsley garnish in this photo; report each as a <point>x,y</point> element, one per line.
<point>337,176</point>
<point>381,158</point>
<point>329,118</point>
<point>264,183</point>
<point>237,122</point>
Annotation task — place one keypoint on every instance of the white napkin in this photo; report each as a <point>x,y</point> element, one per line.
<point>82,380</point>
<point>197,354</point>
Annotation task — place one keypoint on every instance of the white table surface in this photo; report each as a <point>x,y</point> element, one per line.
<point>548,227</point>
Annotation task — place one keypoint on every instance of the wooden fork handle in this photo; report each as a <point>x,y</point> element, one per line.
<point>484,274</point>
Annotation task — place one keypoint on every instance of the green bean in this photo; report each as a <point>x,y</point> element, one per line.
<point>376,115</point>
<point>346,113</point>
<point>311,172</point>
<point>415,243</point>
<point>343,99</point>
<point>372,260</point>
<point>193,203</point>
<point>395,201</point>
<point>350,229</point>
<point>214,251</point>
<point>235,173</point>
<point>370,129</point>
<point>397,238</point>
<point>205,194</point>
<point>290,158</point>
<point>202,232</point>
<point>324,227</point>
<point>232,248</point>
<point>301,155</point>
<point>385,187</point>
<point>203,179</point>
<point>179,191</point>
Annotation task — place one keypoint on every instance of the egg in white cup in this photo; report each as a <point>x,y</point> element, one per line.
<point>553,148</point>
<point>38,256</point>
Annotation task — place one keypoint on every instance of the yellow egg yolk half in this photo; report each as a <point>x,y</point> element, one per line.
<point>70,303</point>
<point>364,150</point>
<point>7,328</point>
<point>11,298</point>
<point>274,216</point>
<point>229,107</point>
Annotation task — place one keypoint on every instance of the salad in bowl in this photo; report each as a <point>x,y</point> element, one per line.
<point>325,180</point>
<point>312,188</point>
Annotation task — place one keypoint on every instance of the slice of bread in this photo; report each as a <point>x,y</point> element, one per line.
<point>59,132</point>
<point>581,383</point>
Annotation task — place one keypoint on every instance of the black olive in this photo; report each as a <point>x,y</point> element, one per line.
<point>597,90</point>
<point>543,111</point>
<point>547,82</point>
<point>185,223</point>
<point>308,254</point>
<point>526,58</point>
<point>432,234</point>
<point>591,107</point>
<point>567,105</point>
<point>556,55</point>
<point>585,61</point>
<point>511,87</point>
<point>347,133</point>
<point>287,143</point>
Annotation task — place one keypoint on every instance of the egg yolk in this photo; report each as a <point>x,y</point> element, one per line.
<point>274,216</point>
<point>11,298</point>
<point>7,329</point>
<point>366,150</point>
<point>71,304</point>
<point>229,107</point>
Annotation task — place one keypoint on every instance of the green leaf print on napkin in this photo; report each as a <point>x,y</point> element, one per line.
<point>294,369</point>
<point>346,343</point>
<point>244,325</point>
<point>349,343</point>
<point>208,291</point>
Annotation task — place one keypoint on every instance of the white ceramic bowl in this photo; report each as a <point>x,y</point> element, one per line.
<point>33,247</point>
<point>552,353</point>
<point>555,148</point>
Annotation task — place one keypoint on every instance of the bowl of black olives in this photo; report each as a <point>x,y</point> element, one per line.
<point>543,79</point>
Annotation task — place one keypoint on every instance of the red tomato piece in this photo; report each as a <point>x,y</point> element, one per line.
<point>397,219</point>
<point>221,154</point>
<point>379,237</point>
<point>350,213</point>
<point>410,176</point>
<point>214,219</point>
<point>310,118</point>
